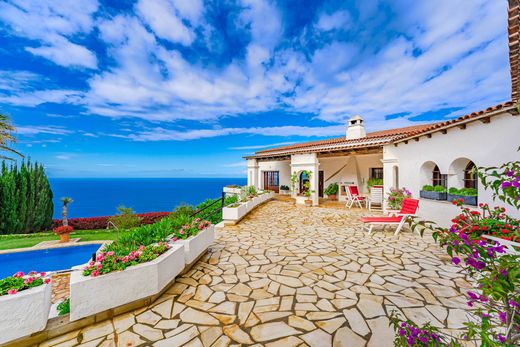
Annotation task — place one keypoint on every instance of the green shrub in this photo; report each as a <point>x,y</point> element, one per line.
<point>284,187</point>
<point>182,210</point>
<point>63,307</point>
<point>453,191</point>
<point>374,182</point>
<point>427,188</point>
<point>468,192</point>
<point>251,191</point>
<point>332,189</point>
<point>125,219</point>
<point>439,189</point>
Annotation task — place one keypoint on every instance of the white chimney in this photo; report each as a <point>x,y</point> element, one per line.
<point>355,128</point>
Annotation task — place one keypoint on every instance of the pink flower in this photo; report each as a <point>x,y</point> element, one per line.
<point>110,253</point>
<point>47,280</point>
<point>181,232</point>
<point>18,274</point>
<point>174,239</point>
<point>42,274</point>
<point>12,291</point>
<point>95,273</point>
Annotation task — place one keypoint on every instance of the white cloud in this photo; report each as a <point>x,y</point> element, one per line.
<point>166,19</point>
<point>336,20</point>
<point>66,53</point>
<point>52,23</point>
<point>39,129</point>
<point>240,148</point>
<point>161,134</point>
<point>63,157</point>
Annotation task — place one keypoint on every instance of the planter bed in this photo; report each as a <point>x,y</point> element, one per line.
<point>195,246</point>
<point>24,313</point>
<point>432,195</point>
<point>468,200</point>
<point>234,214</point>
<point>90,295</point>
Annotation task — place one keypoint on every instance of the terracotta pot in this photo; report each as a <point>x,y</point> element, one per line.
<point>331,197</point>
<point>64,238</point>
<point>308,203</point>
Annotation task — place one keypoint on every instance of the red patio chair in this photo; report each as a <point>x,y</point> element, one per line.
<point>354,197</point>
<point>409,209</point>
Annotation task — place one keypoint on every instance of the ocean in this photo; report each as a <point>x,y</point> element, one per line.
<point>101,196</point>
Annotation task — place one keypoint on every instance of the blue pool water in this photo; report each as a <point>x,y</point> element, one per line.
<point>100,196</point>
<point>51,259</point>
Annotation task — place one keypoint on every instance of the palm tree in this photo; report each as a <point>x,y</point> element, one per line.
<point>66,201</point>
<point>6,136</point>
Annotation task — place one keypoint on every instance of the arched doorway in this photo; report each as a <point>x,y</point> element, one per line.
<point>470,176</point>
<point>304,177</point>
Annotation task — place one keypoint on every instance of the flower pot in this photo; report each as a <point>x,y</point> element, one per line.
<point>308,203</point>
<point>468,200</point>
<point>91,295</point>
<point>433,195</point>
<point>64,238</point>
<point>24,313</point>
<point>331,197</point>
<point>194,246</point>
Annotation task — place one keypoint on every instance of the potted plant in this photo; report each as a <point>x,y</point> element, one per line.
<point>284,189</point>
<point>434,193</point>
<point>25,301</point>
<point>396,197</point>
<point>468,195</point>
<point>331,191</point>
<point>374,182</point>
<point>64,232</point>
<point>308,201</point>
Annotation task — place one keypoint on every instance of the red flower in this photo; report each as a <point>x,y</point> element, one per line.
<point>64,229</point>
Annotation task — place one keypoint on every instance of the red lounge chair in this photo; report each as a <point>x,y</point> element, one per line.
<point>409,208</point>
<point>354,197</point>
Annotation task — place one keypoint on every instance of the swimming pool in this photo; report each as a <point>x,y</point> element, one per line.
<point>49,259</point>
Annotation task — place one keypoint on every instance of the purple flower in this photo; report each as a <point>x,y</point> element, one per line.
<point>402,332</point>
<point>506,184</point>
<point>410,340</point>
<point>501,338</point>
<point>455,260</point>
<point>503,317</point>
<point>514,304</point>
<point>510,173</point>
<point>503,273</point>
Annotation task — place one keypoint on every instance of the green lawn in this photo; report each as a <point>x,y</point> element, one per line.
<point>29,240</point>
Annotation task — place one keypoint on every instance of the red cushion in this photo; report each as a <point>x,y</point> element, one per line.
<point>381,219</point>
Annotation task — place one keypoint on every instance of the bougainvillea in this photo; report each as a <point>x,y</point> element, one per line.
<point>396,197</point>
<point>110,262</point>
<point>495,300</point>
<point>20,281</point>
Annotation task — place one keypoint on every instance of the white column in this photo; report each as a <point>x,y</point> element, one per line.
<point>253,174</point>
<point>309,162</point>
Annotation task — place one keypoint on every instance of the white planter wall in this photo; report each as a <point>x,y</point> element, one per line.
<point>196,245</point>
<point>234,214</point>
<point>24,313</point>
<point>91,295</point>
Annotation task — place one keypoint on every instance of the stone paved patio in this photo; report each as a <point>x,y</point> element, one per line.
<point>294,276</point>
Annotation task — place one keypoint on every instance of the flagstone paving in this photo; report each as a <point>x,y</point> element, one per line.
<point>295,276</point>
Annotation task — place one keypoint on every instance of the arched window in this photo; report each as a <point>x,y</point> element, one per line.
<point>303,179</point>
<point>439,179</point>
<point>470,176</point>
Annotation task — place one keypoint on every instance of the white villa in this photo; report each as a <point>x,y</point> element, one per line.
<point>441,153</point>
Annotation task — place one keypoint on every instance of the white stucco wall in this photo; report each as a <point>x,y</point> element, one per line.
<point>284,167</point>
<point>356,171</point>
<point>309,162</point>
<point>485,144</point>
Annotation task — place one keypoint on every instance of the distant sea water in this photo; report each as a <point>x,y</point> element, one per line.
<point>101,196</point>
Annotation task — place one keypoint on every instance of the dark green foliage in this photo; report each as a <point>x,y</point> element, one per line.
<point>427,188</point>
<point>439,189</point>
<point>463,191</point>
<point>125,219</point>
<point>63,307</point>
<point>332,189</point>
<point>25,199</point>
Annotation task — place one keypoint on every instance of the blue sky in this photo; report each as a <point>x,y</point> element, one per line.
<point>175,88</point>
